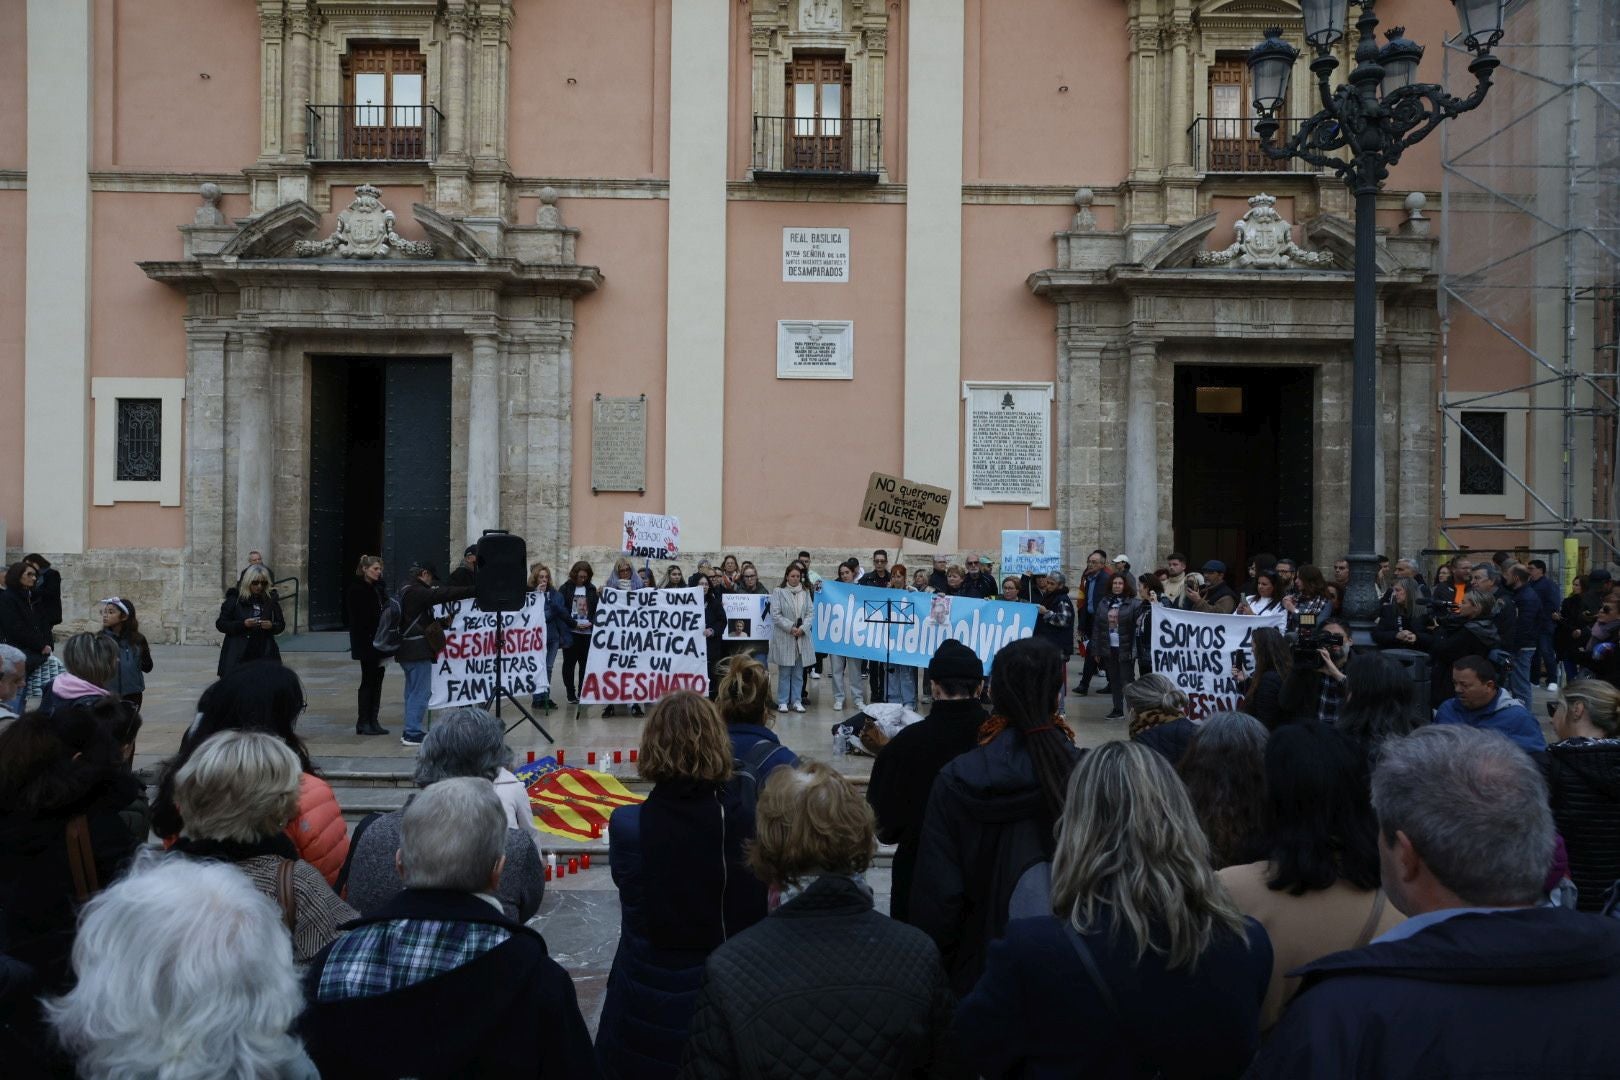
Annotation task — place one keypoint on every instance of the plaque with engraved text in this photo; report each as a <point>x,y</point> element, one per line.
<point>619,443</point>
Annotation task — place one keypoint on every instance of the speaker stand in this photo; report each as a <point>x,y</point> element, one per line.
<point>500,685</point>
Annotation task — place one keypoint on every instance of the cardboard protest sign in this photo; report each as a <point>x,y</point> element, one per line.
<point>1194,650</point>
<point>850,622</point>
<point>1031,551</point>
<point>651,536</point>
<point>645,643</point>
<point>748,616</point>
<point>464,674</point>
<point>905,509</point>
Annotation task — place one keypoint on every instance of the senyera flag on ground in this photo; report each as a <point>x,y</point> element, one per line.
<point>574,804</point>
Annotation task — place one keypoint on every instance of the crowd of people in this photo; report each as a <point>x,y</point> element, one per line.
<point>1341,878</point>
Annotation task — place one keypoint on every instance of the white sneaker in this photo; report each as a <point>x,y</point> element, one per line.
<point>781,706</point>
<point>798,706</point>
<point>1552,688</point>
<point>859,704</point>
<point>815,674</point>
<point>838,704</point>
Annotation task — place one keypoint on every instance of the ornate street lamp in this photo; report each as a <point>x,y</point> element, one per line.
<point>1376,116</point>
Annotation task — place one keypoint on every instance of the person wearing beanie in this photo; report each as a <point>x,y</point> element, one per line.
<point>904,772</point>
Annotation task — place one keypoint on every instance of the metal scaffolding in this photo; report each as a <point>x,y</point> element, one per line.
<point>1530,257</point>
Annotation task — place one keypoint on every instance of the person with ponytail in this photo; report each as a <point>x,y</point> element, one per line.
<point>991,813</point>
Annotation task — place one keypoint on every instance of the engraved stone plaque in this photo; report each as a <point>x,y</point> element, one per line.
<point>619,443</point>
<point>815,350</point>
<point>1009,443</point>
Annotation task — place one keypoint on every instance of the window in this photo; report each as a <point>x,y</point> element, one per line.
<point>138,455</point>
<point>818,97</point>
<point>1480,474</point>
<point>1233,144</point>
<point>384,116</point>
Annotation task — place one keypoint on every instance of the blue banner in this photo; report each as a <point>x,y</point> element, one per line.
<point>906,627</point>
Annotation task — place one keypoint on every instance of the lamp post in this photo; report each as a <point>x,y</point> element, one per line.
<point>1376,115</point>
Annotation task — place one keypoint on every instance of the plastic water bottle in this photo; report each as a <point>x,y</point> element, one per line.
<point>839,749</point>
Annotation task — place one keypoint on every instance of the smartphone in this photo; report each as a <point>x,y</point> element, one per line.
<point>1237,659</point>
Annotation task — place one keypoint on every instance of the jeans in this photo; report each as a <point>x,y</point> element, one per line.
<point>789,685</point>
<point>1549,656</point>
<point>902,686</point>
<point>846,680</point>
<point>369,699</point>
<point>552,649</point>
<point>418,689</point>
<point>1519,678</point>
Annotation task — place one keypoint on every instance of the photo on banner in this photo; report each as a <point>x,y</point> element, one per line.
<point>748,616</point>
<point>1194,650</point>
<point>645,643</point>
<point>464,673</point>
<point>906,627</point>
<point>651,536</point>
<point>1031,551</point>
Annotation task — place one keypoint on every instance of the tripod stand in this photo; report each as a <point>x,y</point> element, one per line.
<point>500,684</point>
<point>887,613</point>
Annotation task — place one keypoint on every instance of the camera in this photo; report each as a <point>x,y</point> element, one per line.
<point>1309,641</point>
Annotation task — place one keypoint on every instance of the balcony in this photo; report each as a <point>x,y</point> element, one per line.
<point>373,132</point>
<point>1220,145</point>
<point>818,150</point>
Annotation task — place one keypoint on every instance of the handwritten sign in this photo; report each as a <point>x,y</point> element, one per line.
<point>904,508</point>
<point>651,536</point>
<point>464,673</point>
<point>748,616</point>
<point>1194,650</point>
<point>644,644</point>
<point>1031,551</point>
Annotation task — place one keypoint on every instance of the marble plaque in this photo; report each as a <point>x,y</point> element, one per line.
<point>1009,443</point>
<point>812,255</point>
<point>619,443</point>
<point>815,350</point>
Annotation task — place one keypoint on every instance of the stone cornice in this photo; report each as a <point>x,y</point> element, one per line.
<point>347,274</point>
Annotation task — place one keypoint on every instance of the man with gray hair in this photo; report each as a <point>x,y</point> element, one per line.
<point>439,982</point>
<point>1479,980</point>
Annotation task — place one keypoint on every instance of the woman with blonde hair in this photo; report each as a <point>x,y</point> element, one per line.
<point>679,863</point>
<point>744,700</point>
<point>250,618</point>
<point>364,604</point>
<point>1145,966</point>
<point>1583,781</point>
<point>823,944</point>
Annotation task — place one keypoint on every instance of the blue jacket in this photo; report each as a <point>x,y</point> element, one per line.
<point>1510,993</point>
<point>1547,592</point>
<point>744,736</point>
<point>1527,628</point>
<point>1505,714</point>
<point>559,631</point>
<point>1035,1013</point>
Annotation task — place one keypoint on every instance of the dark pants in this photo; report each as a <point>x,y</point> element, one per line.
<point>1118,669</point>
<point>370,695</point>
<point>574,664</point>
<point>1091,667</point>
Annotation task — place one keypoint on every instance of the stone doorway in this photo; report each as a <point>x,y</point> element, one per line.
<point>379,472</point>
<point>1244,463</point>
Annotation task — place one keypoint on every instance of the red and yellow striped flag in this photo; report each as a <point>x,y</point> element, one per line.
<point>568,802</point>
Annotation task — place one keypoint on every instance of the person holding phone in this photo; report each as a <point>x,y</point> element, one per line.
<point>250,618</point>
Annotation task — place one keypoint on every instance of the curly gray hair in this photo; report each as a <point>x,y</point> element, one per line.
<point>464,742</point>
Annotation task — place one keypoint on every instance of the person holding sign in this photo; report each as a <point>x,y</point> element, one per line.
<point>793,616</point>
<point>1113,635</point>
<point>580,598</point>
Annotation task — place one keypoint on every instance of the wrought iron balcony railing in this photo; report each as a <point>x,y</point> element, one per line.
<point>1220,145</point>
<point>373,132</point>
<point>832,149</point>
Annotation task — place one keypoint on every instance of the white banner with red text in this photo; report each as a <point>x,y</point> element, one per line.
<point>464,673</point>
<point>644,644</point>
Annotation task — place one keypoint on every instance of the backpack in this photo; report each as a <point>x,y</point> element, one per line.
<point>745,770</point>
<point>389,636</point>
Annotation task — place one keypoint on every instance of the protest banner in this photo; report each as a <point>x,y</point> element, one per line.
<point>651,536</point>
<point>850,622</point>
<point>464,674</point>
<point>1031,551</point>
<point>1194,650</point>
<point>748,616</point>
<point>905,509</point>
<point>645,643</point>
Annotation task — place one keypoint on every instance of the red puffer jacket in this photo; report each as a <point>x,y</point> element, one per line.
<point>318,831</point>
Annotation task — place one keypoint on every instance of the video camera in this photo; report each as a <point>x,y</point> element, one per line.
<point>1307,644</point>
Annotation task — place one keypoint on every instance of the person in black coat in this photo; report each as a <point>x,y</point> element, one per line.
<point>714,625</point>
<point>363,604</point>
<point>55,770</point>
<point>1127,973</point>
<point>825,987</point>
<point>580,597</point>
<point>47,594</point>
<point>1583,783</point>
<point>421,639</point>
<point>684,887</point>
<point>904,771</point>
<point>438,982</point>
<point>250,618</point>
<point>1262,691</point>
<point>19,618</point>
<point>467,572</point>
<point>991,811</point>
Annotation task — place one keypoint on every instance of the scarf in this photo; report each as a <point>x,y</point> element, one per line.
<point>790,890</point>
<point>235,851</point>
<point>1151,718</point>
<point>997,724</point>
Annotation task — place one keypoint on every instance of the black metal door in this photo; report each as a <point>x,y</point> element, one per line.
<point>1296,463</point>
<point>328,468</point>
<point>416,472</point>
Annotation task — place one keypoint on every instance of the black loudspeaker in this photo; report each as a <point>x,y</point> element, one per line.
<point>503,572</point>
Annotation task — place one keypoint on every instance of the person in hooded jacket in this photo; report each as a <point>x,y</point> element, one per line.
<point>1480,701</point>
<point>364,603</point>
<point>1479,980</point>
<point>1470,632</point>
<point>1583,782</point>
<point>904,772</point>
<point>991,812</point>
<point>61,775</point>
<point>679,862</point>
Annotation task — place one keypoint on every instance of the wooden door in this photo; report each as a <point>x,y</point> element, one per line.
<point>384,85</point>
<point>818,108</point>
<point>1233,145</point>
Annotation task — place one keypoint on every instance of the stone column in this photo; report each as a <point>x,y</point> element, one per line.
<point>297,96</point>
<point>455,86</point>
<point>1142,453</point>
<point>202,571</point>
<point>1179,156</point>
<point>484,438</point>
<point>254,437</point>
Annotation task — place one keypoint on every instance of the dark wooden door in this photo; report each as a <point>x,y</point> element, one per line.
<point>1233,145</point>
<point>416,474</point>
<point>328,470</point>
<point>385,87</point>
<point>818,111</point>
<point>1296,463</point>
